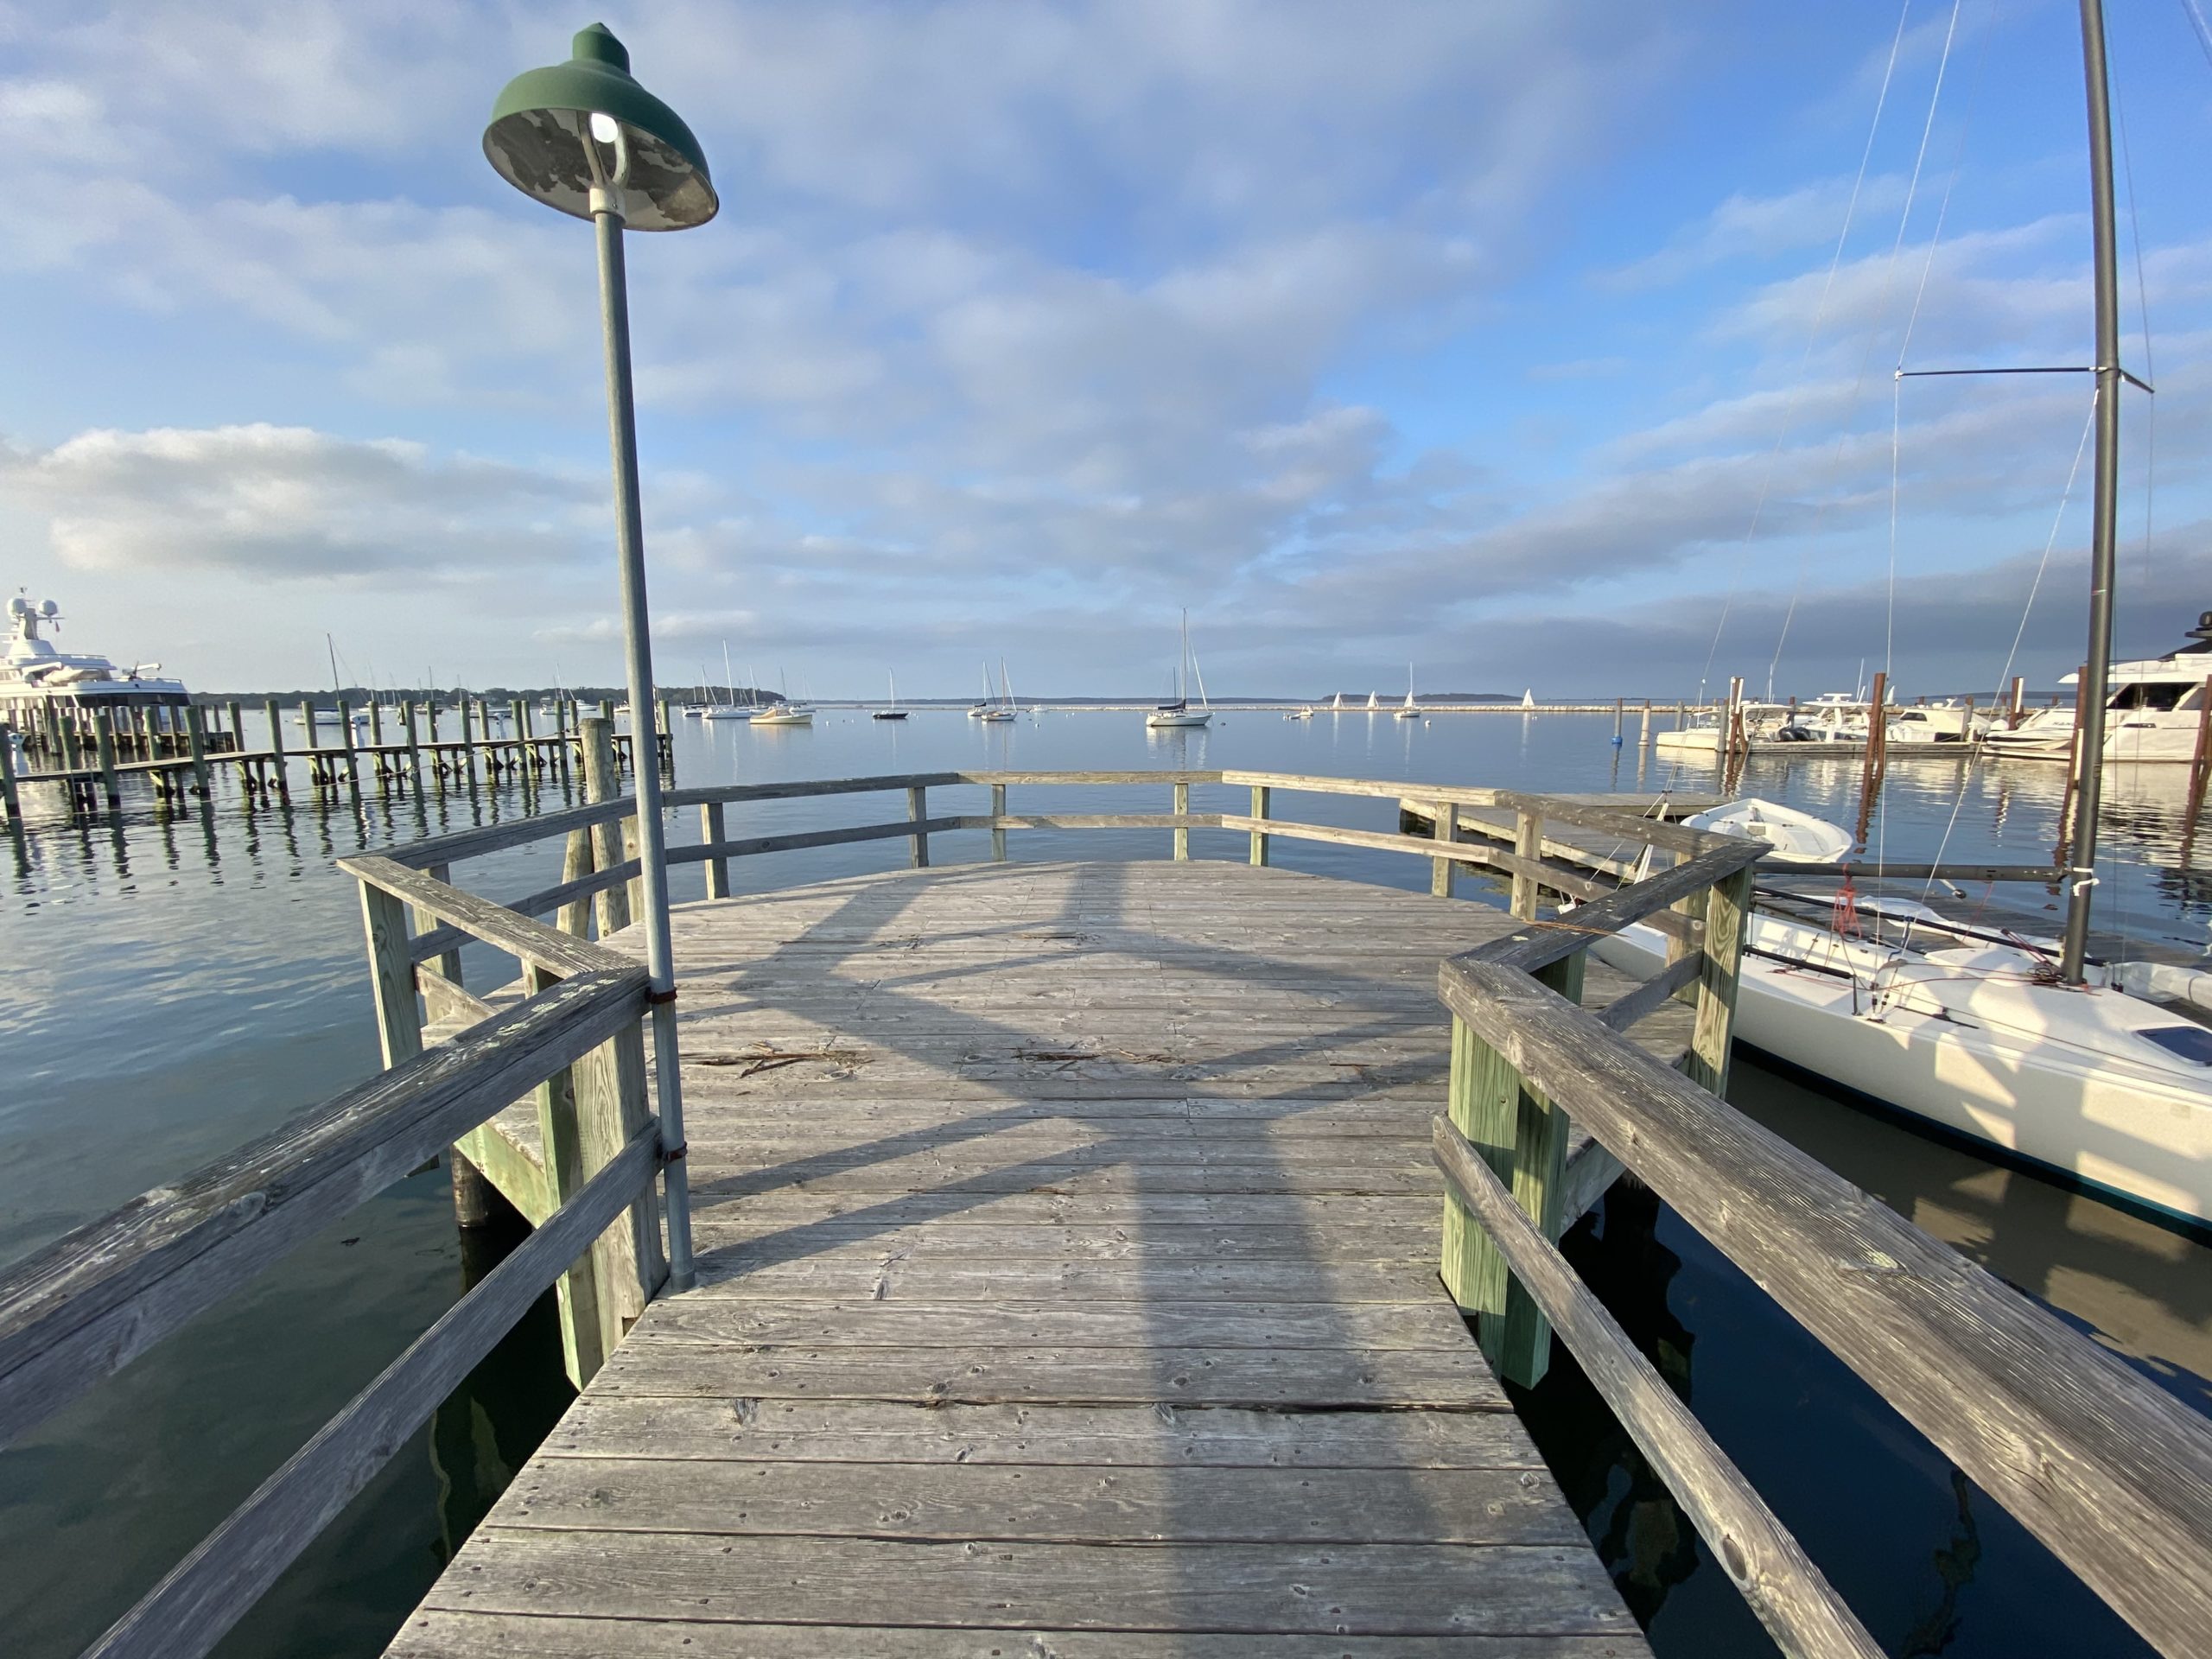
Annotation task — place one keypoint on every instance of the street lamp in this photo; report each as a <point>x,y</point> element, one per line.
<point>586,138</point>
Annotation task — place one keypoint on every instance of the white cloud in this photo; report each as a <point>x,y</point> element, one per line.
<point>287,502</point>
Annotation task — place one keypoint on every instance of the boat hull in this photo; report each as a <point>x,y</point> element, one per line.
<point>2146,1138</point>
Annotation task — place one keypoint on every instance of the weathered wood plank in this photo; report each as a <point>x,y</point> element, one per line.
<point>1159,1435</point>
<point>443,1634</point>
<point>1335,1590</point>
<point>1048,1504</point>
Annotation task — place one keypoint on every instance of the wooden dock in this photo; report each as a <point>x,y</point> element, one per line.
<point>1086,1253</point>
<point>1068,1247</point>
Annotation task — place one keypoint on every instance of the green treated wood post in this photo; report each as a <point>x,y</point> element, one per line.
<point>998,831</point>
<point>1725,908</point>
<point>1182,832</point>
<point>104,737</point>
<point>195,737</point>
<point>1522,1137</point>
<point>564,709</point>
<point>628,1263</point>
<point>918,808</point>
<point>1446,830</point>
<point>11,798</point>
<point>237,728</point>
<point>711,832</point>
<point>276,749</point>
<point>1262,802</point>
<point>414,746</point>
<point>351,759</point>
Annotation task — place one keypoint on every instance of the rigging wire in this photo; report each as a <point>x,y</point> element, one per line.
<point>1820,315</point>
<point>2203,29</point>
<point>1888,274</point>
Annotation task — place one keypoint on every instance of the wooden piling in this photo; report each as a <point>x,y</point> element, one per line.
<point>276,749</point>
<point>195,737</point>
<point>1528,844</point>
<point>104,735</point>
<point>1182,802</point>
<point>10,797</point>
<point>998,829</point>
<point>2199,765</point>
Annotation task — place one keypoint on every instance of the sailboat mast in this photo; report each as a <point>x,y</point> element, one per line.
<point>2104,510</point>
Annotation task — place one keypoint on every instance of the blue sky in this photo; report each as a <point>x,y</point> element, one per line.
<point>1500,340</point>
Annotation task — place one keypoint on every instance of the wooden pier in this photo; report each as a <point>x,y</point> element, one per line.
<point>1095,1258</point>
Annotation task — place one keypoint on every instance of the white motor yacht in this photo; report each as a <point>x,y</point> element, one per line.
<point>2154,712</point>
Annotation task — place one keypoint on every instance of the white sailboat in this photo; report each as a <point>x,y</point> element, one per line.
<point>1179,713</point>
<point>1374,702</point>
<point>729,710</point>
<point>2100,1074</point>
<point>1001,709</point>
<point>1529,699</point>
<point>1406,710</point>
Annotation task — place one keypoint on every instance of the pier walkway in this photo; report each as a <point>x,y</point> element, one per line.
<point>1086,1252</point>
<point>1068,1245</point>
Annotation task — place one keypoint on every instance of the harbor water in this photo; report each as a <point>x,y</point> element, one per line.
<point>181,980</point>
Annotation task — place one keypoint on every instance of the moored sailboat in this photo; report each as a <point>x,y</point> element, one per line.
<point>1179,714</point>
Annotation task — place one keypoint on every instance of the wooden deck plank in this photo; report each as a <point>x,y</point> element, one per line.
<point>1067,1242</point>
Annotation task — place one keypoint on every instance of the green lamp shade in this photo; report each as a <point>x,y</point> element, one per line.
<point>535,139</point>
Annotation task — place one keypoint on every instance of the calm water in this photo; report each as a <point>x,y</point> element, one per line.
<point>175,986</point>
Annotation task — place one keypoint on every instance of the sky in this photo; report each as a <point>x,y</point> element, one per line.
<point>1549,346</point>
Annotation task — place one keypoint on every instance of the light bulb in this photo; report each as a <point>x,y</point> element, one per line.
<point>605,128</point>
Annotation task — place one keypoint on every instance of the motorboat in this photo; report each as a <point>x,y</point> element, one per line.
<point>1798,836</point>
<point>2154,710</point>
<point>784,714</point>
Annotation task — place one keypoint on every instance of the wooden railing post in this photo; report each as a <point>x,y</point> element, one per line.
<point>1182,831</point>
<point>1528,843</point>
<point>918,809</point>
<point>1522,1136</point>
<point>998,831</point>
<point>602,782</point>
<point>391,975</point>
<point>1727,907</point>
<point>584,1342</point>
<point>1263,801</point>
<point>628,1263</point>
<point>1441,870</point>
<point>711,830</point>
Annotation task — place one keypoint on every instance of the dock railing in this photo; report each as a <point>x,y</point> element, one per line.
<point>2113,1474</point>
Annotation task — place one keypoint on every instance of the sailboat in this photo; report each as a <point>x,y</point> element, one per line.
<point>2100,1074</point>
<point>1179,714</point>
<point>1529,698</point>
<point>894,712</point>
<point>980,708</point>
<point>1374,702</point>
<point>327,716</point>
<point>1000,708</point>
<point>1406,710</point>
<point>729,710</point>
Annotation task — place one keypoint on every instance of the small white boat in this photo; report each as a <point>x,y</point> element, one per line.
<point>1406,710</point>
<point>731,711</point>
<point>1178,715</point>
<point>1798,836</point>
<point>784,714</point>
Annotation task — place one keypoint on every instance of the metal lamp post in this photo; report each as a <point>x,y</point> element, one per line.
<point>584,137</point>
